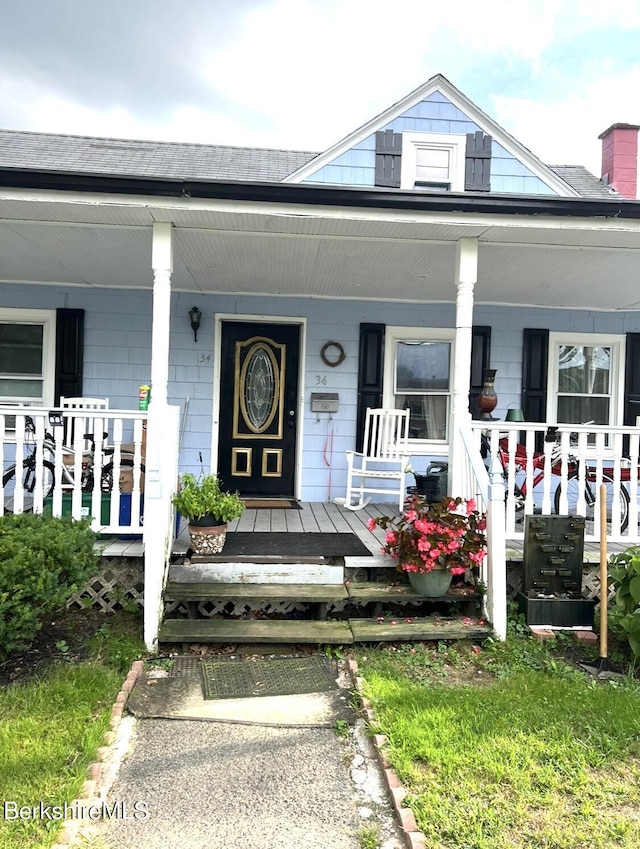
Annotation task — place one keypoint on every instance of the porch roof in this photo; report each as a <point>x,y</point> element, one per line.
<point>317,241</point>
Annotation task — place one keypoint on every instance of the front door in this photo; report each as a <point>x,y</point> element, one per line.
<point>258,406</point>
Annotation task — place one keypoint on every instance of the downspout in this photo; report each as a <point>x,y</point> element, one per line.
<point>466,275</point>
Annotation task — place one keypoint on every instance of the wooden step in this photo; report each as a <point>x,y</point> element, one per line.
<point>340,632</point>
<point>364,591</point>
<point>413,628</point>
<point>254,631</point>
<point>207,591</point>
<point>256,571</point>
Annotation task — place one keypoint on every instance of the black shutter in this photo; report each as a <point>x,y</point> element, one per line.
<point>480,360</point>
<point>632,380</point>
<point>477,173</point>
<point>631,384</point>
<point>370,368</point>
<point>388,158</point>
<point>69,352</point>
<point>534,374</point>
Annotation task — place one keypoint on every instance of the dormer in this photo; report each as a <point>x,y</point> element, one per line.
<point>433,140</point>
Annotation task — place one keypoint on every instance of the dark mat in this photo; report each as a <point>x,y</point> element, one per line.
<point>279,676</point>
<point>271,504</point>
<point>294,545</point>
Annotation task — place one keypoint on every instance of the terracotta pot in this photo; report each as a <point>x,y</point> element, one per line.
<point>207,539</point>
<point>431,584</point>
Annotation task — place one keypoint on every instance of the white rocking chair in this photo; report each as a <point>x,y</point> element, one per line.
<point>384,459</point>
<point>83,425</point>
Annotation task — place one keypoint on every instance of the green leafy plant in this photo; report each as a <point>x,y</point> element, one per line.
<point>200,497</point>
<point>624,571</point>
<point>43,560</point>
<point>448,534</point>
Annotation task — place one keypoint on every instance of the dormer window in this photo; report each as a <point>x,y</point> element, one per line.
<point>433,162</point>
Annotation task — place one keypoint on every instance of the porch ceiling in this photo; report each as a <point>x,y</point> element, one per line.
<point>230,247</point>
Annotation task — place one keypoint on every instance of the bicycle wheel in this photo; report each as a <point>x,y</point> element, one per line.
<point>591,499</point>
<point>29,479</point>
<point>106,478</point>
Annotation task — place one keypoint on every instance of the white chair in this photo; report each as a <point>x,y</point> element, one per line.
<point>83,424</point>
<point>383,460</point>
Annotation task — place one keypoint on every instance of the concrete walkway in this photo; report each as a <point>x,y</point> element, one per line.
<point>285,772</point>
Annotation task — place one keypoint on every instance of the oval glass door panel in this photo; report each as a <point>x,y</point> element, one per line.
<point>259,392</point>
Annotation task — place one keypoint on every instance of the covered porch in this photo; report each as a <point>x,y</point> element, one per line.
<point>328,260</point>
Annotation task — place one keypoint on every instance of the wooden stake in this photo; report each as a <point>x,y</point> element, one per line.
<point>604,588</point>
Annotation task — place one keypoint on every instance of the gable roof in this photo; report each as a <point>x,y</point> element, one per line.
<point>441,84</point>
<point>135,157</point>
<point>52,152</point>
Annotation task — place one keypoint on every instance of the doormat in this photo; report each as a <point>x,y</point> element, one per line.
<point>271,504</point>
<point>278,676</point>
<point>293,544</point>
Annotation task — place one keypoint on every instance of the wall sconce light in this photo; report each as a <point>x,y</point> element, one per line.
<point>194,316</point>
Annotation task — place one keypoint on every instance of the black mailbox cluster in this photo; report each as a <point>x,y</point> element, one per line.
<point>552,573</point>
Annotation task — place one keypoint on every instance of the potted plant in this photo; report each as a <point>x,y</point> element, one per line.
<point>432,542</point>
<point>207,509</point>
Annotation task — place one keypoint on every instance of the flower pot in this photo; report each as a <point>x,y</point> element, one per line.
<point>207,539</point>
<point>431,584</point>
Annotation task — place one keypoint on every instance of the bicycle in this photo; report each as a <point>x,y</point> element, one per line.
<point>582,483</point>
<point>48,470</point>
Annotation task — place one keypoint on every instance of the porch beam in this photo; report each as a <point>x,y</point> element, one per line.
<point>466,276</point>
<point>566,214</point>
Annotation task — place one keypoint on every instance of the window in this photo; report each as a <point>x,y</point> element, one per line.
<point>433,161</point>
<point>585,378</point>
<point>27,356</point>
<point>418,365</point>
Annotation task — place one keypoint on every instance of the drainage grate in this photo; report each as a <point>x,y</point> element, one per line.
<point>279,676</point>
<point>185,667</point>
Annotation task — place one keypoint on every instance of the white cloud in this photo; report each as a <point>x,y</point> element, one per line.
<point>566,132</point>
<point>304,73</point>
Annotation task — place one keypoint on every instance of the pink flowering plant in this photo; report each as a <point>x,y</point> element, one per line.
<point>446,535</point>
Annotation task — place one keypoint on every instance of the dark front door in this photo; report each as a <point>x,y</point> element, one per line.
<point>258,406</point>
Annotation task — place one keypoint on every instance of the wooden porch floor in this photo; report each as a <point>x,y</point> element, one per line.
<point>317,517</point>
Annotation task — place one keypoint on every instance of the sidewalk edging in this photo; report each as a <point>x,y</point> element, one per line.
<point>413,838</point>
<point>101,772</point>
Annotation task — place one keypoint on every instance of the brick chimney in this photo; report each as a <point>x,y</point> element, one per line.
<point>620,158</point>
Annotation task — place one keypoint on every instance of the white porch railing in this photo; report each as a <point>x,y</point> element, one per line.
<point>102,477</point>
<point>486,487</point>
<point>560,468</point>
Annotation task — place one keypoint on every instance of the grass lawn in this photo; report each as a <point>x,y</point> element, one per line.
<point>52,723</point>
<point>509,746</point>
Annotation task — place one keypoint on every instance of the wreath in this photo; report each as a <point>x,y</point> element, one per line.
<point>336,356</point>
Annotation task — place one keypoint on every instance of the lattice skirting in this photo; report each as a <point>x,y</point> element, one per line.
<point>590,581</point>
<point>118,585</point>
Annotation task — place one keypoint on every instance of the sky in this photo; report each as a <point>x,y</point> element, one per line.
<point>302,74</point>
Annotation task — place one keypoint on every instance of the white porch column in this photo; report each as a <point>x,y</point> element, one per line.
<point>160,466</point>
<point>466,276</point>
<point>162,264</point>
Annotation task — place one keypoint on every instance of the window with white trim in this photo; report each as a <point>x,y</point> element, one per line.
<point>27,356</point>
<point>585,378</point>
<point>418,376</point>
<point>433,161</point>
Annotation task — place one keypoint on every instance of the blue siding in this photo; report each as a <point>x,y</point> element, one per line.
<point>435,114</point>
<point>118,358</point>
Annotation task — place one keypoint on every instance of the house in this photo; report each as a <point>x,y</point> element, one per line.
<point>392,269</point>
